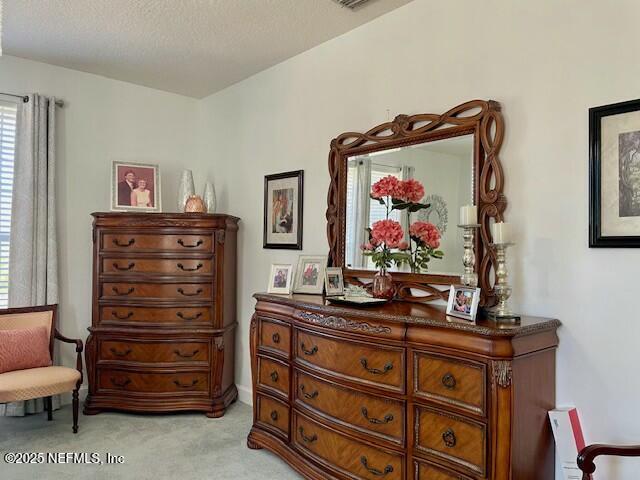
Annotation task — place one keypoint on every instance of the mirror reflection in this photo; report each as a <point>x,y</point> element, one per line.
<point>403,206</point>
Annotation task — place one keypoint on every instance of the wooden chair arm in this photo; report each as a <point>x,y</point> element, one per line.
<point>588,454</point>
<point>79,348</point>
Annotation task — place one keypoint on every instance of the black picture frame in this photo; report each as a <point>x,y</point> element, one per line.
<point>299,174</point>
<point>596,239</point>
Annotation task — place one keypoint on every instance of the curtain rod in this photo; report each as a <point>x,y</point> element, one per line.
<point>25,98</point>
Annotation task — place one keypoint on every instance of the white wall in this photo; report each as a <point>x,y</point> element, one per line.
<point>102,120</point>
<point>547,62</point>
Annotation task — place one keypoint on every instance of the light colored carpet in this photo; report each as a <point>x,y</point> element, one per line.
<point>186,446</point>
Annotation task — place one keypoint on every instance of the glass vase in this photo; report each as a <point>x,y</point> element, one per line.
<point>382,285</point>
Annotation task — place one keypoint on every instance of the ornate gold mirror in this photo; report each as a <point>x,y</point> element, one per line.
<point>455,157</point>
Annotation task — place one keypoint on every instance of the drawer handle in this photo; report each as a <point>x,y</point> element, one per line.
<point>274,376</point>
<point>387,418</point>
<point>186,355</point>
<point>449,438</point>
<point>123,269</point>
<point>449,381</point>
<point>188,269</point>
<point>311,395</point>
<point>375,371</point>
<point>306,439</point>
<point>313,351</point>
<point>116,242</point>
<point>374,471</point>
<point>120,354</point>
<point>184,317</point>
<point>121,317</point>
<point>186,385</point>
<point>275,337</point>
<point>122,383</point>
<point>197,244</point>
<point>193,294</point>
<point>122,294</point>
<point>274,416</point>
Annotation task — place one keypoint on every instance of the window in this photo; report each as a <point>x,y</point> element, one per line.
<point>8,115</point>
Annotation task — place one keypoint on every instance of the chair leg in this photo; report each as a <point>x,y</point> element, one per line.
<point>76,406</point>
<point>48,402</point>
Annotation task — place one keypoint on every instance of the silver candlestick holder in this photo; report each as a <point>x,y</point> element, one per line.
<point>502,311</point>
<point>469,278</point>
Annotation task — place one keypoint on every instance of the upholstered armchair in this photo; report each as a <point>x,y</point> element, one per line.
<point>588,455</point>
<point>24,334</point>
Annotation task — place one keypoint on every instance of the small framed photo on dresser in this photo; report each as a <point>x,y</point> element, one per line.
<point>310,274</point>
<point>333,281</point>
<point>283,195</point>
<point>135,187</point>
<point>614,175</point>
<point>463,302</point>
<point>280,279</point>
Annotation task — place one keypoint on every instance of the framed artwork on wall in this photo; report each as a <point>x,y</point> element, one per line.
<point>283,195</point>
<point>614,175</point>
<point>135,187</point>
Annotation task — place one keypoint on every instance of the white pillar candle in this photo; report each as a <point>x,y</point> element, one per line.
<point>501,232</point>
<point>468,215</point>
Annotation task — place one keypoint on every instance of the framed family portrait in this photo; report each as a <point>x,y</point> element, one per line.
<point>280,279</point>
<point>310,274</point>
<point>135,187</point>
<point>333,281</point>
<point>614,175</point>
<point>463,302</point>
<point>283,195</point>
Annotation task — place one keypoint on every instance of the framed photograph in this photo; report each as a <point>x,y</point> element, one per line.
<point>463,302</point>
<point>333,281</point>
<point>310,274</point>
<point>614,175</point>
<point>280,279</point>
<point>283,194</point>
<point>135,187</point>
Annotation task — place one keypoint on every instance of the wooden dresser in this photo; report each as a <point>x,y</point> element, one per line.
<point>401,392</point>
<point>164,313</point>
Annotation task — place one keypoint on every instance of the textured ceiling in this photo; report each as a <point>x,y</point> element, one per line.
<point>191,47</point>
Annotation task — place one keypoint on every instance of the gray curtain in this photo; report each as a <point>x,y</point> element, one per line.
<point>33,258</point>
<point>360,212</point>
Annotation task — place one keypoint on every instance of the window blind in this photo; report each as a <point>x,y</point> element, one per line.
<point>8,120</point>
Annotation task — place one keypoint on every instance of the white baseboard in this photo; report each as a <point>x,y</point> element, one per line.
<point>245,395</point>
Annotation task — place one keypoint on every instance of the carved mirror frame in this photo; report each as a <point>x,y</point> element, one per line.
<point>480,118</point>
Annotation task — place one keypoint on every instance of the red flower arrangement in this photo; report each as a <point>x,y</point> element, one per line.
<point>387,235</point>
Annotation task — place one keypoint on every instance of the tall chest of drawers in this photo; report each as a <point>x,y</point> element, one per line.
<point>163,319</point>
<point>401,392</point>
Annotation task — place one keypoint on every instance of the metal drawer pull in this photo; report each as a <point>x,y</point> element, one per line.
<point>387,418</point>
<point>184,317</point>
<point>374,471</point>
<point>449,381</point>
<point>123,269</point>
<point>182,292</point>
<point>375,371</point>
<point>274,376</point>
<point>187,269</point>
<point>313,351</point>
<point>120,354</point>
<point>121,317</point>
<point>311,395</point>
<point>449,438</point>
<point>186,355</point>
<point>306,439</point>
<point>122,383</point>
<point>117,243</point>
<point>118,292</point>
<point>274,416</point>
<point>275,337</point>
<point>197,244</point>
<point>186,385</point>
